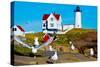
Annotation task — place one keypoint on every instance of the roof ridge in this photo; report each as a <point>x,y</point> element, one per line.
<point>45,16</point>
<point>20,28</point>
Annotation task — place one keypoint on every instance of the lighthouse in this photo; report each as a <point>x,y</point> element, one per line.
<point>78,23</point>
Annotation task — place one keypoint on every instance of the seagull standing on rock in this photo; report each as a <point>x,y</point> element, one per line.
<point>91,52</point>
<point>72,46</point>
<point>36,42</point>
<point>54,57</point>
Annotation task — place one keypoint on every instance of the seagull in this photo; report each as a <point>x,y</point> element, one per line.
<point>72,46</point>
<point>55,56</point>
<point>91,52</point>
<point>36,42</point>
<point>70,42</point>
<point>50,48</point>
<point>34,50</point>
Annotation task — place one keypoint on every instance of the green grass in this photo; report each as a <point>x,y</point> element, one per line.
<point>20,50</point>
<point>24,51</point>
<point>77,33</point>
<point>30,37</point>
<point>62,40</point>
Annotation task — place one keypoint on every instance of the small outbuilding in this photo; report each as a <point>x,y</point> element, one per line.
<point>17,30</point>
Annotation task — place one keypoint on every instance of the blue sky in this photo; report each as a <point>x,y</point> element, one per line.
<point>29,14</point>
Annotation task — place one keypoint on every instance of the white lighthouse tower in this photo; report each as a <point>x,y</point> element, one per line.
<point>78,23</point>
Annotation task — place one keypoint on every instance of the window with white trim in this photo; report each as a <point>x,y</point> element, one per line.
<point>51,24</point>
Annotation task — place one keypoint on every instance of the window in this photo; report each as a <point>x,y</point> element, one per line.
<point>43,25</point>
<point>14,29</point>
<point>51,19</point>
<point>51,25</point>
<point>78,25</point>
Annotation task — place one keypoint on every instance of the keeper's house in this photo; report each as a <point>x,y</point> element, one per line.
<point>53,22</point>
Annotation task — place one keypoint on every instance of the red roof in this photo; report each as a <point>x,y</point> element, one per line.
<point>57,16</point>
<point>45,16</point>
<point>21,28</point>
